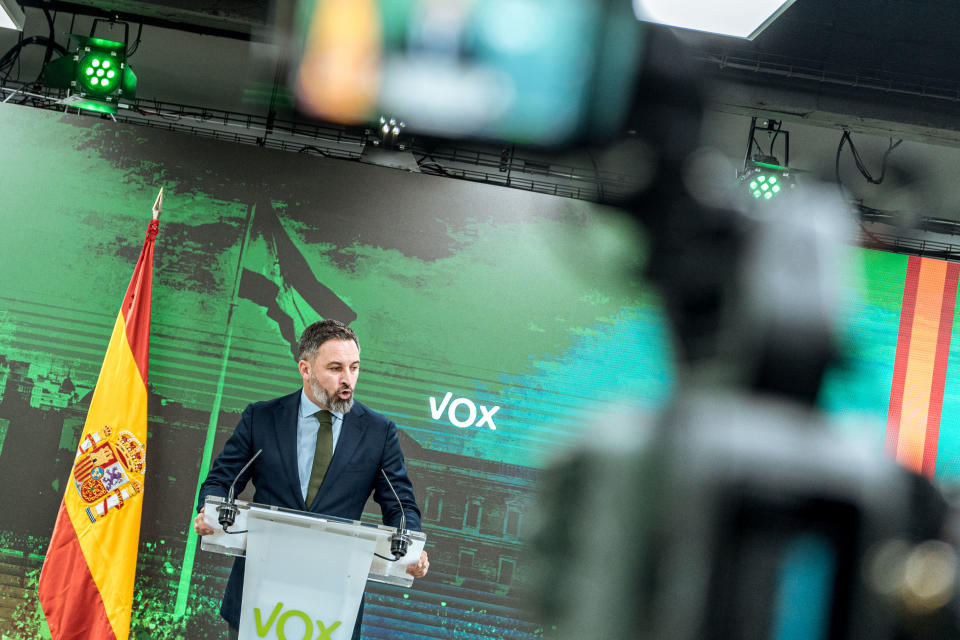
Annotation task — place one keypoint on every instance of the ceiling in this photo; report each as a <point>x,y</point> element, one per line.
<point>888,65</point>
<point>878,68</point>
<point>888,60</point>
<point>882,69</point>
<point>229,18</point>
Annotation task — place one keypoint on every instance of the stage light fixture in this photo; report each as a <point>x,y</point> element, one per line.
<point>96,72</point>
<point>737,18</point>
<point>763,177</point>
<point>765,181</point>
<point>11,15</point>
<point>388,135</point>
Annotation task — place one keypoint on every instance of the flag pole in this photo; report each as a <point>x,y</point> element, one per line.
<point>83,589</point>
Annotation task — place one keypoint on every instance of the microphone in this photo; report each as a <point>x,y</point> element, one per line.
<point>399,541</point>
<point>228,510</point>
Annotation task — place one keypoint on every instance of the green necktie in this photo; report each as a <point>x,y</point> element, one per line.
<point>322,455</point>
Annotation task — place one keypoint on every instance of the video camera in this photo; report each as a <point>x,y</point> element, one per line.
<point>741,512</point>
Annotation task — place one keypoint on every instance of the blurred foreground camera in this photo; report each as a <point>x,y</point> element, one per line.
<point>740,513</point>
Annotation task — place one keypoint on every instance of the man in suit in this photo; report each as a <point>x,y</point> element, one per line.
<point>321,452</point>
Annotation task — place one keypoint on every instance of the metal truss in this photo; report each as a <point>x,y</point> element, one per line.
<point>502,166</point>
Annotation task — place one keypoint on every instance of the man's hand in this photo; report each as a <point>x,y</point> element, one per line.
<point>201,527</point>
<point>420,568</point>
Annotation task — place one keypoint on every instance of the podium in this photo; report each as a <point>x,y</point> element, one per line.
<point>305,572</point>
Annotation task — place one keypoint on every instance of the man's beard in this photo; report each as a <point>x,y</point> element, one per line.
<point>334,403</point>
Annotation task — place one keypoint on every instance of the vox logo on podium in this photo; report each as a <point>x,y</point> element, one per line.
<point>462,412</point>
<point>301,629</point>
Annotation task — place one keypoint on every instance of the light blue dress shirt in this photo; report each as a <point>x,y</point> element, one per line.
<point>307,426</point>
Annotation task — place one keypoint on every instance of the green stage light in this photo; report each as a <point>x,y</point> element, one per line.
<point>763,177</point>
<point>764,181</point>
<point>96,72</point>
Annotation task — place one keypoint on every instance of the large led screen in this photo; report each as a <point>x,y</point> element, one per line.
<point>492,323</point>
<point>495,325</point>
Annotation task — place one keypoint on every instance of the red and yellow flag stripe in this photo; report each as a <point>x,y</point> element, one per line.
<point>86,584</point>
<point>920,366</point>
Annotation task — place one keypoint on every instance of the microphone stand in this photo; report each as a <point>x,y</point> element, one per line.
<point>227,512</point>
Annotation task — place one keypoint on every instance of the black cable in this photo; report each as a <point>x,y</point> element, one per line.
<point>136,42</point>
<point>861,167</point>
<point>399,541</point>
<point>9,65</point>
<point>13,52</point>
<point>12,55</point>
<point>836,166</point>
<point>52,37</point>
<point>310,147</point>
<point>435,169</point>
<point>890,147</point>
<point>777,133</point>
<point>51,42</point>
<point>432,165</point>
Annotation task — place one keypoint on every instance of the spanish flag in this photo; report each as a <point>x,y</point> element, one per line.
<point>86,584</point>
<point>920,367</point>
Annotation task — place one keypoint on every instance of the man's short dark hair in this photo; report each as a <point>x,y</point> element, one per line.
<point>319,332</point>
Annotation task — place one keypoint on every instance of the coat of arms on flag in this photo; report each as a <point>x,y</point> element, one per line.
<point>108,470</point>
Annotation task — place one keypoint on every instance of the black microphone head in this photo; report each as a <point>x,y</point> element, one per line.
<point>399,543</point>
<point>227,514</point>
<point>228,510</point>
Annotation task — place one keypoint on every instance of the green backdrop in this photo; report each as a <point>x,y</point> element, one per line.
<point>498,297</point>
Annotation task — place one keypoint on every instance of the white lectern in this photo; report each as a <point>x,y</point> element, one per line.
<point>305,572</point>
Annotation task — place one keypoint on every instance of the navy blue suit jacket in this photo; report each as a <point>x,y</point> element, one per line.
<point>368,442</point>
